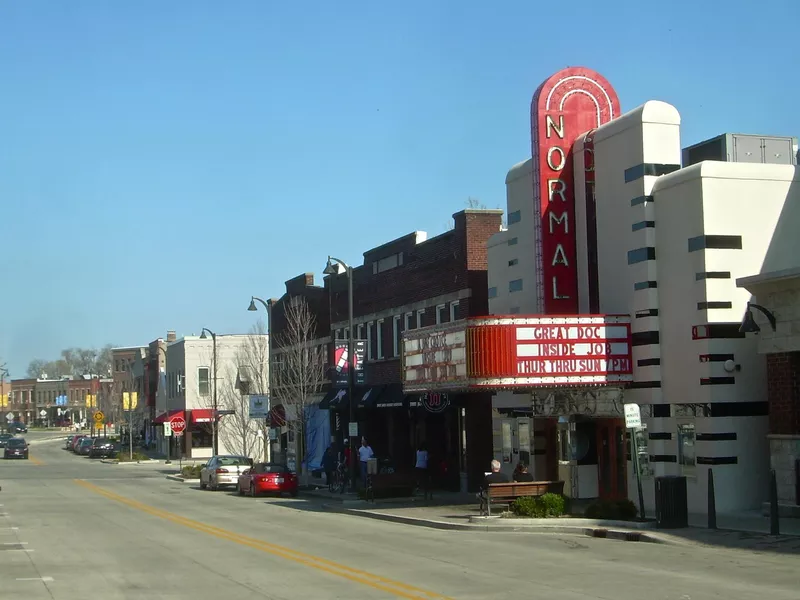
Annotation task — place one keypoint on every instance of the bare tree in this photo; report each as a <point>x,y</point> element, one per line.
<point>299,365</point>
<point>73,361</point>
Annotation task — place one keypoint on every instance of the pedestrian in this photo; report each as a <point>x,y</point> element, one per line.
<point>364,454</point>
<point>328,465</point>
<point>421,468</point>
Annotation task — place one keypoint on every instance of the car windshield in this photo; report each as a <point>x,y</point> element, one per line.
<point>86,441</point>
<point>233,461</point>
<point>5,436</point>
<point>269,468</point>
<point>100,441</point>
<point>14,442</point>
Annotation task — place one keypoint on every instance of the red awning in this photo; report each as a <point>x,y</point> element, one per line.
<point>163,417</point>
<point>202,415</point>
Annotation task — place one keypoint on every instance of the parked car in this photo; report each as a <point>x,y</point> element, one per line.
<point>84,445</point>
<point>16,448</point>
<point>4,437</point>
<point>102,447</point>
<point>267,478</point>
<point>223,471</point>
<point>75,441</point>
<point>17,427</point>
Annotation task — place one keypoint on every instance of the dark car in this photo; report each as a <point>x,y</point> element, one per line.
<point>102,448</point>
<point>4,437</point>
<point>16,448</point>
<point>17,427</point>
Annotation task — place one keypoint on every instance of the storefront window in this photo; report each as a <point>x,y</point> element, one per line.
<point>686,453</point>
<point>201,438</point>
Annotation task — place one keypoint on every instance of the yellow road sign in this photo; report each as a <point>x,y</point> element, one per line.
<point>99,417</point>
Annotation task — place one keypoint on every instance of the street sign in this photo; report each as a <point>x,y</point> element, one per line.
<point>633,416</point>
<point>259,406</point>
<point>177,424</point>
<point>99,417</point>
<point>43,413</point>
<point>353,429</point>
<point>10,417</point>
<point>167,429</point>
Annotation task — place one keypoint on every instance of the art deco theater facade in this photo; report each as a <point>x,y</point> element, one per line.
<point>614,282</point>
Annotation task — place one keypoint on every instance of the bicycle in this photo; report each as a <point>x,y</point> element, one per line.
<point>339,479</point>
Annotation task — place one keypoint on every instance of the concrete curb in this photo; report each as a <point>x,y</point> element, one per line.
<point>180,479</point>
<point>596,532</point>
<point>565,522</point>
<point>107,461</point>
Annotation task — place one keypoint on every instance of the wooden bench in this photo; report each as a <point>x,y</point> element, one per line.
<point>387,482</point>
<point>506,493</point>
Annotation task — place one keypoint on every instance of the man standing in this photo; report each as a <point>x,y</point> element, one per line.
<point>364,454</point>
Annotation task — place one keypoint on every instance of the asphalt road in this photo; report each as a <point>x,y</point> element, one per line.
<point>73,528</point>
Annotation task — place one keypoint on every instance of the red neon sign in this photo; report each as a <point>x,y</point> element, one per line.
<point>567,105</point>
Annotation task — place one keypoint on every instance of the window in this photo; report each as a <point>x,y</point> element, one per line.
<point>346,333</point>
<point>441,312</point>
<point>380,339</point>
<point>454,311</point>
<point>409,321</point>
<point>686,455</point>
<point>513,262</point>
<point>514,217</point>
<point>202,381</point>
<point>337,334</point>
<point>389,262</point>
<point>515,285</point>
<point>369,341</point>
<point>396,335</point>
<point>492,292</point>
<point>360,331</point>
<point>420,312</point>
<point>641,255</point>
<point>715,242</point>
<point>513,241</point>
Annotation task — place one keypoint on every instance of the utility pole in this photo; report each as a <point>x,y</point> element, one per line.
<point>214,416</point>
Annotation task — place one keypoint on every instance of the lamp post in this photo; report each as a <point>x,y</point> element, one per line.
<point>330,269</point>
<point>214,393</point>
<point>268,307</point>
<point>749,324</point>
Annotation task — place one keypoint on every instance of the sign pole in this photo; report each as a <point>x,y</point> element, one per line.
<point>633,422</point>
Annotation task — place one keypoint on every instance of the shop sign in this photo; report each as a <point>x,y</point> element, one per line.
<point>567,105</point>
<point>435,402</point>
<point>341,362</point>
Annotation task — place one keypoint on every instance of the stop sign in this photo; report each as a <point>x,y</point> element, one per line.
<point>178,425</point>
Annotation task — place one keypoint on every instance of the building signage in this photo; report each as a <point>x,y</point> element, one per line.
<point>518,352</point>
<point>435,402</point>
<point>259,406</point>
<point>567,105</point>
<point>435,357</point>
<point>341,364</point>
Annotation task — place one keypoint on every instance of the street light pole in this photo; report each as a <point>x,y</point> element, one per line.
<point>267,304</point>
<point>351,362</point>
<point>214,432</point>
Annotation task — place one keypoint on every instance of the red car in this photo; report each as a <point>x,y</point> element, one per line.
<point>267,478</point>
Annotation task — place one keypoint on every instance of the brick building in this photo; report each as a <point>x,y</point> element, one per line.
<point>405,284</point>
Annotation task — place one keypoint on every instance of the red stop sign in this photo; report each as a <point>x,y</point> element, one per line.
<point>178,425</point>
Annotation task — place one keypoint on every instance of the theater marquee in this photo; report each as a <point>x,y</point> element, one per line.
<point>519,352</point>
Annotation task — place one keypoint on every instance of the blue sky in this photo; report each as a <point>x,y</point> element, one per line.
<point>161,162</point>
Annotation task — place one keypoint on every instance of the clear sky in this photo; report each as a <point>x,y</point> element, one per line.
<point>161,162</point>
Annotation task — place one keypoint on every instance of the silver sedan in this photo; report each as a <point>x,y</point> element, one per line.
<point>223,471</point>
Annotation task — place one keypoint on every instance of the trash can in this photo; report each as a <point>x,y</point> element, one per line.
<point>672,505</point>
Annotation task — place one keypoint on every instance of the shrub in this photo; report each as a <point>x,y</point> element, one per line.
<point>191,471</point>
<point>539,507</point>
<point>612,510</point>
<point>135,457</point>
<point>627,510</point>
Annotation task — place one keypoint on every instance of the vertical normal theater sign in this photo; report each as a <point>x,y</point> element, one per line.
<point>568,104</point>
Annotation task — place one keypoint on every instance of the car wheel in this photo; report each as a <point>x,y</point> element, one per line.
<point>212,485</point>
<point>202,483</point>
<point>239,489</point>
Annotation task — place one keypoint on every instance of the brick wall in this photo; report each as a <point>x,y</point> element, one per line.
<point>783,389</point>
<point>316,298</point>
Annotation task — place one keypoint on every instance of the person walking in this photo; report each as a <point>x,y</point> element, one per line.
<point>364,454</point>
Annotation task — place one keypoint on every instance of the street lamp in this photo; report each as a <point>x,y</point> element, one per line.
<point>749,324</point>
<point>268,307</point>
<point>214,396</point>
<point>330,269</point>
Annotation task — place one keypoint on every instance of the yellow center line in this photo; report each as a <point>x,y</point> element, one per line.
<point>35,461</point>
<point>378,582</point>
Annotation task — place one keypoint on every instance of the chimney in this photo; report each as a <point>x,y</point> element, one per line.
<point>297,285</point>
<point>171,337</point>
<point>477,226</point>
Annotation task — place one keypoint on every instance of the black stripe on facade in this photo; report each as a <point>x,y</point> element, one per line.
<point>641,255</point>
<point>715,437</point>
<point>651,169</point>
<point>642,200</point>
<point>650,312</point>
<point>644,385</point>
<point>644,338</point>
<point>644,285</point>
<point>643,225</point>
<point>717,381</point>
<point>717,460</point>
<point>659,435</point>
<point>717,331</point>
<point>539,452</point>
<point>706,358</point>
<point>715,242</point>
<point>712,275</point>
<point>670,458</point>
<point>648,362</point>
<point>712,409</point>
<point>713,304</point>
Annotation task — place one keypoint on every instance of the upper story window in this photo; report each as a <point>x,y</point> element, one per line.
<point>513,241</point>
<point>514,217</point>
<point>492,292</point>
<point>513,262</point>
<point>515,285</point>
<point>202,381</point>
<point>441,314</point>
<point>397,335</point>
<point>389,262</point>
<point>454,311</point>
<point>409,321</point>
<point>420,312</point>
